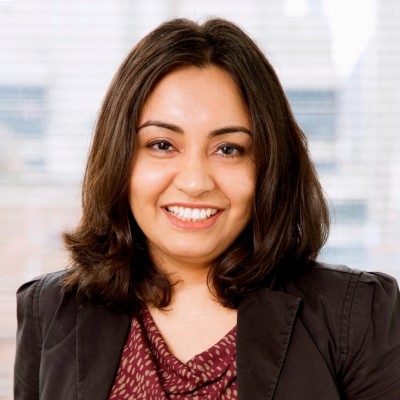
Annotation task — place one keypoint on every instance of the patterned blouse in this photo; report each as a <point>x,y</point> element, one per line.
<point>148,370</point>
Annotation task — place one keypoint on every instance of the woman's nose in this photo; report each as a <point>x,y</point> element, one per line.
<point>194,177</point>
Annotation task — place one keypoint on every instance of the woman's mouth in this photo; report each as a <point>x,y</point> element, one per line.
<point>191,214</point>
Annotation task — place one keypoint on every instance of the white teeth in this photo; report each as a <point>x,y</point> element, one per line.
<point>196,214</point>
<point>193,214</point>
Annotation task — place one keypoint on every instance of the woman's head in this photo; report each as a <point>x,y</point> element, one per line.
<point>193,176</point>
<point>289,218</point>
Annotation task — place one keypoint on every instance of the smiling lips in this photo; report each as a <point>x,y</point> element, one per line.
<point>192,214</point>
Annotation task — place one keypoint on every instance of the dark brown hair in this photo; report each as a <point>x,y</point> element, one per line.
<point>290,220</point>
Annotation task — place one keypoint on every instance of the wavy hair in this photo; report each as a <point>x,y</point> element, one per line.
<point>290,222</point>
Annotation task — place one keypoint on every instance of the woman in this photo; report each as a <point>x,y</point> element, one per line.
<point>193,268</point>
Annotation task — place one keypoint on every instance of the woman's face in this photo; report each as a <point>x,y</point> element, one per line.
<point>193,177</point>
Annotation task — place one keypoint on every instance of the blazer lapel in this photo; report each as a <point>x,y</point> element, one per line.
<point>101,336</point>
<point>265,322</point>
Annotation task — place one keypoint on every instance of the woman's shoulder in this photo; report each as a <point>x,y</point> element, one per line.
<point>355,315</point>
<point>342,296</point>
<point>48,285</point>
<point>359,310</point>
<point>321,281</point>
<point>352,318</point>
<point>346,303</point>
<point>39,298</point>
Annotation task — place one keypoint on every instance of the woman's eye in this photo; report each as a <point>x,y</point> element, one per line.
<point>161,145</point>
<point>230,150</point>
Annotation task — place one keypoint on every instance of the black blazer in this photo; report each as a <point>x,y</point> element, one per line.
<point>330,334</point>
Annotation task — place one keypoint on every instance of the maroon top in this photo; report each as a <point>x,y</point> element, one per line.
<point>148,370</point>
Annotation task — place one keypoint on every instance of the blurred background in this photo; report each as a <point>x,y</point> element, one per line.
<point>338,61</point>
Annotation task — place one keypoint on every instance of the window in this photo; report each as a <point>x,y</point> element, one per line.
<point>315,112</point>
<point>350,212</point>
<point>23,110</point>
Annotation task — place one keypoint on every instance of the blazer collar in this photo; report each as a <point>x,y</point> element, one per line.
<point>265,323</point>
<point>101,336</point>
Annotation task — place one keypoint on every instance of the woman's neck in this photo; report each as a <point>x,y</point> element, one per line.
<point>194,320</point>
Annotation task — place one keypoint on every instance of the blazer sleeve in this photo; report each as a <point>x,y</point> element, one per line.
<point>371,345</point>
<point>35,309</point>
<point>27,357</point>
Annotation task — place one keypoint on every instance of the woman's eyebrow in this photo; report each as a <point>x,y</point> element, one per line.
<point>160,124</point>
<point>230,129</point>
<point>178,129</point>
